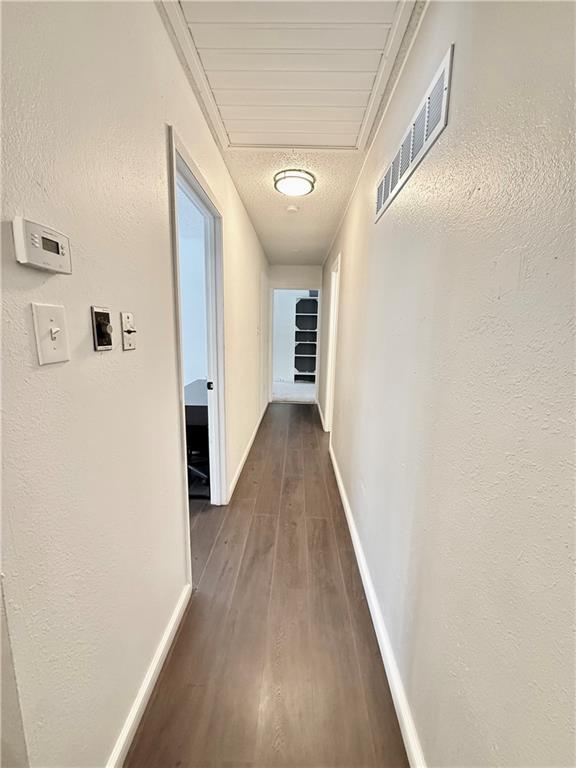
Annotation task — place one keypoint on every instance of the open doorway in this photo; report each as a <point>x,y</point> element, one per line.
<point>294,345</point>
<point>199,304</point>
<point>192,256</point>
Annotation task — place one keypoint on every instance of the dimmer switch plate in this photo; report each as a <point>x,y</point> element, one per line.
<point>51,333</point>
<point>101,328</point>
<point>128,330</point>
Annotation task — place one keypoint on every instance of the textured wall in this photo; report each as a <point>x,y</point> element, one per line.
<point>94,538</point>
<point>13,749</point>
<point>294,277</point>
<point>454,401</point>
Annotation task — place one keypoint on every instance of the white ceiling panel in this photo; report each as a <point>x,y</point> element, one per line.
<point>292,84</point>
<point>291,98</point>
<point>211,12</point>
<point>315,113</point>
<point>290,37</point>
<point>294,126</point>
<point>290,81</point>
<point>215,60</point>
<point>293,139</point>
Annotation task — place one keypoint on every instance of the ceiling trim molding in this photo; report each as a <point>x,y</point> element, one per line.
<point>408,40</point>
<point>175,19</point>
<point>399,26</point>
<point>174,15</point>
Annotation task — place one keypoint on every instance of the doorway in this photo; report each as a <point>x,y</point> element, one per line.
<point>193,254</point>
<point>332,343</point>
<point>197,226</point>
<point>294,345</point>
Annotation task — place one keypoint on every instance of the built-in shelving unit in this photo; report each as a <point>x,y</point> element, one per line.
<point>306,339</point>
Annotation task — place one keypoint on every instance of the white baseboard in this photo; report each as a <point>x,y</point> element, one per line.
<point>321,415</point>
<point>403,711</point>
<point>245,456</point>
<point>131,723</point>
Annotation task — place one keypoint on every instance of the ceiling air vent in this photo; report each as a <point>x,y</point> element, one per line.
<point>425,127</point>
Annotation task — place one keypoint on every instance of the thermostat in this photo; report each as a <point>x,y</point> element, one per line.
<point>41,247</point>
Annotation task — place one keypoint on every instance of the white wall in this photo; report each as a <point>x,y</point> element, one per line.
<point>454,401</point>
<point>295,276</point>
<point>13,748</point>
<point>94,550</point>
<point>284,324</point>
<point>193,318</point>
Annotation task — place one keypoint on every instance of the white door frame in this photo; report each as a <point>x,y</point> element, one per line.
<point>271,340</point>
<point>332,342</point>
<point>182,165</point>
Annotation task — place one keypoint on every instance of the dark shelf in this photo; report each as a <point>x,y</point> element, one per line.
<point>307,306</point>
<point>306,322</point>
<point>305,336</point>
<point>305,364</point>
<point>305,349</point>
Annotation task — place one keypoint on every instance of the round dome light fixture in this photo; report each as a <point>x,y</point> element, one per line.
<point>294,182</point>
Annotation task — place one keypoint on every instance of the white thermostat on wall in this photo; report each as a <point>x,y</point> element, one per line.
<point>41,247</point>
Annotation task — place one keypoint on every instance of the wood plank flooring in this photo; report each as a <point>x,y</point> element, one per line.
<point>276,664</point>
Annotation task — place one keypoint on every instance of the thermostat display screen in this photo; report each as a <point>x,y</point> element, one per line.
<point>50,245</point>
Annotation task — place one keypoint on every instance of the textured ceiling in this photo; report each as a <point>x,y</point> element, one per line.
<point>302,237</point>
<point>293,78</point>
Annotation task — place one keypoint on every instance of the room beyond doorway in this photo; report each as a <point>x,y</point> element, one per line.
<point>294,345</point>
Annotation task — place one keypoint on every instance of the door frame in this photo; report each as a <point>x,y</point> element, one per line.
<point>332,342</point>
<point>181,164</point>
<point>271,291</point>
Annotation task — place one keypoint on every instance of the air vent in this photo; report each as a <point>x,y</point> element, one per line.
<point>427,124</point>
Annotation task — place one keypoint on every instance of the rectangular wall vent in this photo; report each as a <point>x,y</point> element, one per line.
<point>427,124</point>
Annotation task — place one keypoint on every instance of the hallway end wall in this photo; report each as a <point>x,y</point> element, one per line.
<point>94,531</point>
<point>452,427</point>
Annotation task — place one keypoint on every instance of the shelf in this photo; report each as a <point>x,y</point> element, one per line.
<point>305,337</point>
<point>307,305</point>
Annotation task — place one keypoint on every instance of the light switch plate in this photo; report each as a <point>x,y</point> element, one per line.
<point>128,330</point>
<point>51,332</point>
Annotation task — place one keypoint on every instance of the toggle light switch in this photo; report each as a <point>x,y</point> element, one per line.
<point>51,333</point>
<point>128,330</point>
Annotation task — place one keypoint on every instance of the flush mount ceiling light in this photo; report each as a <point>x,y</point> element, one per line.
<point>294,182</point>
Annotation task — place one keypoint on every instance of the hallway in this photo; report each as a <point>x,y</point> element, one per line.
<point>276,662</point>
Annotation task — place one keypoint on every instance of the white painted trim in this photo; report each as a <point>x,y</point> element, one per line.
<point>272,288</point>
<point>376,131</point>
<point>332,342</point>
<point>321,415</point>
<point>131,723</point>
<point>183,41</point>
<point>183,165</point>
<point>179,364</point>
<point>401,704</point>
<point>395,36</point>
<point>245,456</point>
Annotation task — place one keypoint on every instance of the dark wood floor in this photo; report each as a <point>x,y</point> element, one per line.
<point>276,662</point>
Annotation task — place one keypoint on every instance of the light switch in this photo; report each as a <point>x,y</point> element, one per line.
<point>51,333</point>
<point>128,330</point>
